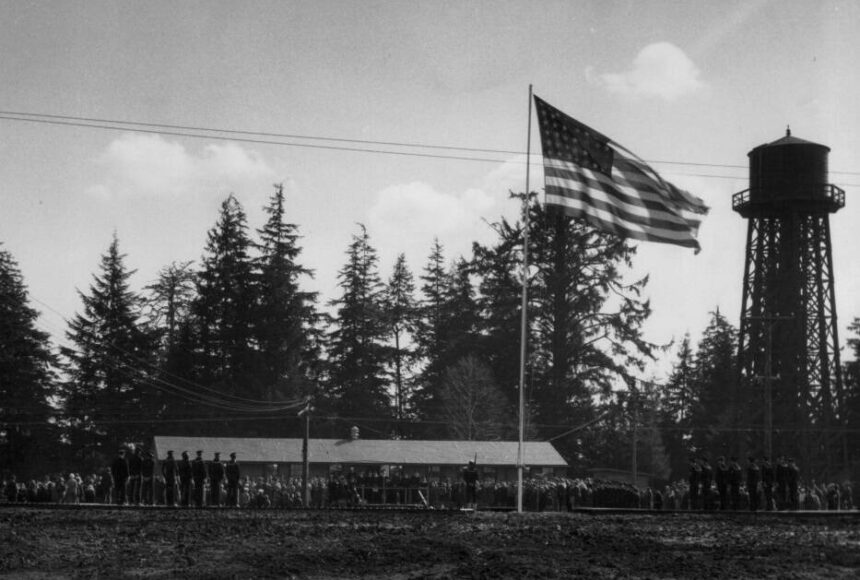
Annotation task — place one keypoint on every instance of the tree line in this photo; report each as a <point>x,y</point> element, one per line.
<point>235,345</point>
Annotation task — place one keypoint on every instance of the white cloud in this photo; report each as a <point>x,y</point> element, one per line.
<point>660,70</point>
<point>407,217</point>
<point>149,165</point>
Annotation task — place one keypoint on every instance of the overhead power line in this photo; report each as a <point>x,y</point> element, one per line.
<point>260,133</point>
<point>266,138</point>
<point>248,140</point>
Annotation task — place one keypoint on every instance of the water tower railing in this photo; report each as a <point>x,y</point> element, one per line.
<point>834,197</point>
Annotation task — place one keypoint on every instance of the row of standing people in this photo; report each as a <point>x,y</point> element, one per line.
<point>185,480</point>
<point>776,485</point>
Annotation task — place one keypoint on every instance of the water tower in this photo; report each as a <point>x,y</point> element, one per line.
<point>788,346</point>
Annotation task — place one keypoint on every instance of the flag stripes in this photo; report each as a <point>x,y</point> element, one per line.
<point>589,176</point>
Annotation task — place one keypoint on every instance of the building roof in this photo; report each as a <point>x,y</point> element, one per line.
<point>367,451</point>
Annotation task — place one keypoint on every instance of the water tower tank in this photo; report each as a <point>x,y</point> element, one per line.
<point>789,173</point>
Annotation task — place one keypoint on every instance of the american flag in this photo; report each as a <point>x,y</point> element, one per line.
<point>590,176</point>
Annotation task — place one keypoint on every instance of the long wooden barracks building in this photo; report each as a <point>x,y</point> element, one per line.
<point>431,459</point>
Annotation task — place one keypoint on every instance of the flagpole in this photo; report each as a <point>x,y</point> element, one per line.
<point>524,314</point>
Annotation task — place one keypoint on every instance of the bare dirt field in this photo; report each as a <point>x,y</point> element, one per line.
<point>162,543</point>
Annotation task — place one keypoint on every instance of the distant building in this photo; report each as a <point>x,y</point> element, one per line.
<point>431,459</point>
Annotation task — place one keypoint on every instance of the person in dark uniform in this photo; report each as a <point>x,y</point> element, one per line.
<point>793,481</point>
<point>198,473</point>
<point>706,479</point>
<point>147,475</point>
<point>470,478</point>
<point>753,479</point>
<point>722,480</point>
<point>168,472</point>
<point>119,472</point>
<point>767,479</point>
<point>233,474</point>
<point>135,464</point>
<point>185,478</point>
<point>216,476</point>
<point>781,483</point>
<point>694,479</point>
<point>735,476</point>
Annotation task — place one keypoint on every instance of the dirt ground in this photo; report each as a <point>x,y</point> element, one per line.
<point>159,543</point>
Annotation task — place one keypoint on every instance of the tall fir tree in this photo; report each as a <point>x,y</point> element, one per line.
<point>499,269</point>
<point>224,307</point>
<point>28,380</point>
<point>401,310</point>
<point>719,413</point>
<point>357,356</point>
<point>169,302</point>
<point>678,400</point>
<point>429,340</point>
<point>285,319</point>
<point>109,396</point>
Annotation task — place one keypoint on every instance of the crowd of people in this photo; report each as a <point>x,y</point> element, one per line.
<point>131,479</point>
<point>759,485</point>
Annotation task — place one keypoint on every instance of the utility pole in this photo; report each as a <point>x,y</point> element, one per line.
<point>634,396</point>
<point>306,464</point>
<point>768,378</point>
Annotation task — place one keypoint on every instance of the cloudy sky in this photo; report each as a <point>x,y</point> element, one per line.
<point>690,86</point>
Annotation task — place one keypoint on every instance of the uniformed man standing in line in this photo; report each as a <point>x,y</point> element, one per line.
<point>793,481</point>
<point>694,479</point>
<point>198,473</point>
<point>168,471</point>
<point>706,479</point>
<point>753,479</point>
<point>231,470</point>
<point>722,479</point>
<point>781,483</point>
<point>735,476</point>
<point>767,479</point>
<point>184,472</point>
<point>119,472</point>
<point>470,478</point>
<point>216,476</point>
<point>147,475</point>
<point>135,464</point>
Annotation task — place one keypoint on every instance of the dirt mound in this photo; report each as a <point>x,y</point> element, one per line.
<point>160,543</point>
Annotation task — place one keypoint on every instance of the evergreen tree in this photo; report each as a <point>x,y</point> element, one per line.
<point>499,303</point>
<point>285,319</point>
<point>677,404</point>
<point>719,409</point>
<point>400,320</point>
<point>169,303</point>
<point>225,306</point>
<point>429,339</point>
<point>453,319</point>
<point>169,300</point>
<point>357,354</point>
<point>109,394</point>
<point>27,379</point>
